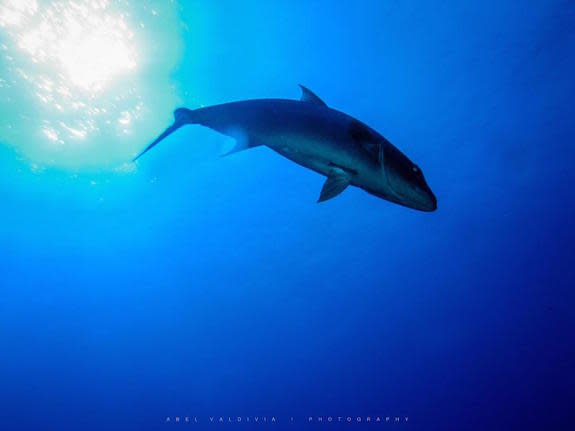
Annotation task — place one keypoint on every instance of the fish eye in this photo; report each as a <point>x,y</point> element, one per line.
<point>415,169</point>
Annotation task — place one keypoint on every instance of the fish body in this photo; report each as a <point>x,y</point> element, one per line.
<point>313,135</point>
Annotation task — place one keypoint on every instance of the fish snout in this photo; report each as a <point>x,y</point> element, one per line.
<point>426,200</point>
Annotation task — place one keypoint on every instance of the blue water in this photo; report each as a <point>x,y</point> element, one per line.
<point>193,285</point>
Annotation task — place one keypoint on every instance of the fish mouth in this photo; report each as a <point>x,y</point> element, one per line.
<point>428,204</point>
<point>421,201</point>
<point>419,198</point>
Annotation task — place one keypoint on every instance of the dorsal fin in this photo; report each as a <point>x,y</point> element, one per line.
<point>309,96</point>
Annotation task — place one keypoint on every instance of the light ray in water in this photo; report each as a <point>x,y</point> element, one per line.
<point>75,68</point>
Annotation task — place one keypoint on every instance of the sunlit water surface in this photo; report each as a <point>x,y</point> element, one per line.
<point>78,73</point>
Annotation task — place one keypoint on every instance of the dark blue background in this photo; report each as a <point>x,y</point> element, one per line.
<point>200,286</point>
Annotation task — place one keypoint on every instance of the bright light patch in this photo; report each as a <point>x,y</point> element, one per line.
<point>51,134</point>
<point>14,12</point>
<point>74,69</point>
<point>86,45</point>
<point>125,118</point>
<point>95,60</point>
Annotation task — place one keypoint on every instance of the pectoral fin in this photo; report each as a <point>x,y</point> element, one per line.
<point>243,142</point>
<point>336,182</point>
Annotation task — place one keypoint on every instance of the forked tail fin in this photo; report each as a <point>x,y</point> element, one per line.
<point>182,116</point>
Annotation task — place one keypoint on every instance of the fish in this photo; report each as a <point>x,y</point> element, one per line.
<point>310,133</point>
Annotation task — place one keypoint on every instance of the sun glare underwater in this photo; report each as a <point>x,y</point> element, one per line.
<point>80,73</point>
<point>190,284</point>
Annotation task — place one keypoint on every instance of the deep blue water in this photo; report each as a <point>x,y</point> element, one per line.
<point>205,286</point>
